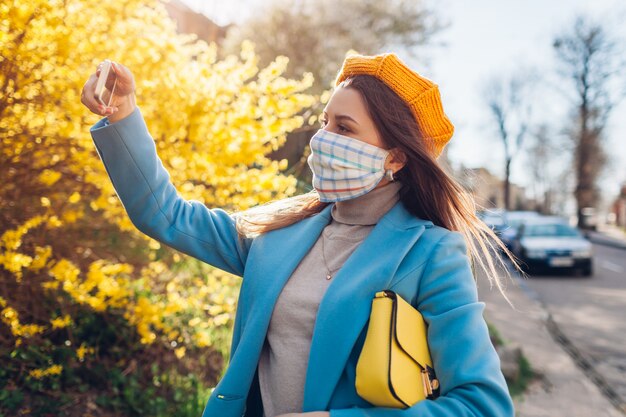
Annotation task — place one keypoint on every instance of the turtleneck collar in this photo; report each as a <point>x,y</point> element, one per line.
<point>368,208</point>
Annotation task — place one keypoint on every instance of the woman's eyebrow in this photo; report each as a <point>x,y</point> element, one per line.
<point>343,116</point>
<point>346,117</point>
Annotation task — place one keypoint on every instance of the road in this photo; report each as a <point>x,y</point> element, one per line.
<point>591,312</point>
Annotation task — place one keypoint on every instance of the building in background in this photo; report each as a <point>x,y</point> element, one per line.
<point>488,190</point>
<point>618,210</point>
<point>190,21</point>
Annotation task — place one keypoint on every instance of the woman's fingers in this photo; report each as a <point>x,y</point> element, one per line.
<point>88,98</point>
<point>122,78</point>
<point>119,84</point>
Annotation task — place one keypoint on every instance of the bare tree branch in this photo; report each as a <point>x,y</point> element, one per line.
<point>508,102</point>
<point>589,58</point>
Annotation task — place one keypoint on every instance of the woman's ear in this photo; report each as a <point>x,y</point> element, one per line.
<point>396,160</point>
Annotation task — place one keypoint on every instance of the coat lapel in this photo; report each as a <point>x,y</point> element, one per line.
<point>282,250</point>
<point>346,305</point>
<point>272,259</point>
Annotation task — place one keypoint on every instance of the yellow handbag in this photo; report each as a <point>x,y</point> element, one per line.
<point>394,367</point>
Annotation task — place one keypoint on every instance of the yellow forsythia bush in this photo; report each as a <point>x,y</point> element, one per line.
<point>87,302</point>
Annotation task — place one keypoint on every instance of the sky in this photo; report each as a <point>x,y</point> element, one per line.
<point>487,38</point>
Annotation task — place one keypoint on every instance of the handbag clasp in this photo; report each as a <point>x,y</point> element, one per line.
<point>431,386</point>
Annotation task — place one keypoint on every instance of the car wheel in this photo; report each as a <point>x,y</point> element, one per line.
<point>587,271</point>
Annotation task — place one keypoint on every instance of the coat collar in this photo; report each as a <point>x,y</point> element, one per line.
<point>398,216</point>
<point>346,304</point>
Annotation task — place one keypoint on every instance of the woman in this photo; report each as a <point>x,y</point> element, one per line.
<point>382,215</point>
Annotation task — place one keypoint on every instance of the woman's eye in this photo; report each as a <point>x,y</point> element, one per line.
<point>341,128</point>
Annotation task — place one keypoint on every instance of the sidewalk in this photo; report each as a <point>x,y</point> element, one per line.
<point>609,236</point>
<point>564,390</point>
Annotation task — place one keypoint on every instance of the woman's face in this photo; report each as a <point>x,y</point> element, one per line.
<point>347,115</point>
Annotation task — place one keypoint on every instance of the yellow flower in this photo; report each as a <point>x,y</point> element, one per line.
<point>203,339</point>
<point>42,373</point>
<point>74,198</point>
<point>221,319</point>
<point>180,352</point>
<point>64,271</point>
<point>42,254</point>
<point>14,262</point>
<point>82,351</point>
<point>50,285</point>
<point>48,177</point>
<point>53,222</point>
<point>12,239</point>
<point>61,322</point>
<point>10,317</point>
<point>70,216</point>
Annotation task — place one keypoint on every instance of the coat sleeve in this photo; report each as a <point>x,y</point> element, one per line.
<point>464,358</point>
<point>153,204</point>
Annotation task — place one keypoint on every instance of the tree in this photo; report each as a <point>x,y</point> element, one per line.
<point>545,166</point>
<point>590,60</point>
<point>86,301</point>
<point>508,102</point>
<point>316,35</point>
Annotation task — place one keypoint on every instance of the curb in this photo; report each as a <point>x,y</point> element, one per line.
<point>602,238</point>
<point>607,241</point>
<point>590,371</point>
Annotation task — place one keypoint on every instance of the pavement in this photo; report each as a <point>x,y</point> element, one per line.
<point>608,235</point>
<point>567,386</point>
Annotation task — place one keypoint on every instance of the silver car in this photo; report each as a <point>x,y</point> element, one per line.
<point>513,220</point>
<point>549,243</point>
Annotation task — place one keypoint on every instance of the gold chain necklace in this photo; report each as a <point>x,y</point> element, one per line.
<point>328,271</point>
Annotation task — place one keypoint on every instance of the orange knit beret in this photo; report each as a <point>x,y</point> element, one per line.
<point>420,94</point>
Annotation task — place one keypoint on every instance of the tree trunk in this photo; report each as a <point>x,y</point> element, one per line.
<point>507,184</point>
<point>585,172</point>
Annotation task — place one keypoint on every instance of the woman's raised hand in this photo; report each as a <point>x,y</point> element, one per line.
<point>122,103</point>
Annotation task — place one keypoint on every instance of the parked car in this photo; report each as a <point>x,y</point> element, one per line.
<point>513,220</point>
<point>494,219</point>
<point>549,243</point>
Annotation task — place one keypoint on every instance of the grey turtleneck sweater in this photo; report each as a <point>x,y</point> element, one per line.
<point>285,353</point>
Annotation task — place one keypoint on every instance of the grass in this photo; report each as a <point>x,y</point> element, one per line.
<point>526,375</point>
<point>494,334</point>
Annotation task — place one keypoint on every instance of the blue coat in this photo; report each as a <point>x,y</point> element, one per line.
<point>426,264</point>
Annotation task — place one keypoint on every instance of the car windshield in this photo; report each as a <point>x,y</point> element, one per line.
<point>514,222</point>
<point>555,230</point>
<point>494,220</point>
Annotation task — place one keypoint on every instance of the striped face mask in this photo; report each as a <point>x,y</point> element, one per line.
<point>343,167</point>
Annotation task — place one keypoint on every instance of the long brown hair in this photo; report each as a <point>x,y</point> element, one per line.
<point>427,191</point>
